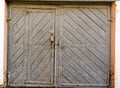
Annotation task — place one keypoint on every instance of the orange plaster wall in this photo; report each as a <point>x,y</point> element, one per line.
<point>112,63</point>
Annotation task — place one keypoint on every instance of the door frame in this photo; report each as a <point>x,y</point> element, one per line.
<point>112,45</point>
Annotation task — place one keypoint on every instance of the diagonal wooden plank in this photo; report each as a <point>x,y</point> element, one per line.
<point>87,61</point>
<point>41,24</point>
<point>17,28</point>
<point>97,29</point>
<point>19,40</point>
<point>15,59</point>
<point>93,63</point>
<point>79,16</point>
<point>65,79</point>
<point>97,54</point>
<point>98,14</point>
<point>75,25</point>
<point>72,36</point>
<point>78,28</point>
<point>35,58</point>
<point>76,34</point>
<point>15,11</point>
<point>45,74</point>
<point>67,38</point>
<point>94,58</point>
<point>89,76</point>
<point>86,28</point>
<point>16,74</point>
<point>88,66</point>
<point>17,64</point>
<point>69,76</point>
<point>42,61</point>
<point>18,33</point>
<point>36,17</point>
<point>17,18</point>
<point>15,50</point>
<point>38,20</point>
<point>101,50</point>
<point>77,74</point>
<point>43,40</point>
<point>81,33</point>
<point>17,54</point>
<point>43,35</point>
<point>93,18</point>
<point>42,30</point>
<point>42,65</point>
<point>103,11</point>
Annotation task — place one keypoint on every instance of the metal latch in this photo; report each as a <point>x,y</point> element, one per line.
<point>8,79</point>
<point>110,19</point>
<point>52,38</point>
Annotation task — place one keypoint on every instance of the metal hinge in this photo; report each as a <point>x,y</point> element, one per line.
<point>9,19</point>
<point>110,19</point>
<point>8,79</point>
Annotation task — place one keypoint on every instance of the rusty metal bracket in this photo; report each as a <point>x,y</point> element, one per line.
<point>111,19</point>
<point>8,80</point>
<point>9,19</point>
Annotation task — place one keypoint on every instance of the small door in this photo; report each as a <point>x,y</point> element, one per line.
<point>41,46</point>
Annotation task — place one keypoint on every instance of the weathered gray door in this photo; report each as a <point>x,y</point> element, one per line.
<point>59,46</point>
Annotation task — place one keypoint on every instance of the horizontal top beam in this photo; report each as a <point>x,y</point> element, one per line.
<point>63,0</point>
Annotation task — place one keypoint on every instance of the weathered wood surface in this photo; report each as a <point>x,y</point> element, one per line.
<point>80,54</point>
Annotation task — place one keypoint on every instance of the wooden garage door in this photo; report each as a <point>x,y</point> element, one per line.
<point>59,46</point>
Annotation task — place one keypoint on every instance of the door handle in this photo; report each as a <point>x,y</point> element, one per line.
<point>52,39</point>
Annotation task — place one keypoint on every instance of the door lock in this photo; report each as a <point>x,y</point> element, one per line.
<point>52,39</point>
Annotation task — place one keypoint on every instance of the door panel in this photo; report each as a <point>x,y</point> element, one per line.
<point>85,47</point>
<point>41,52</point>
